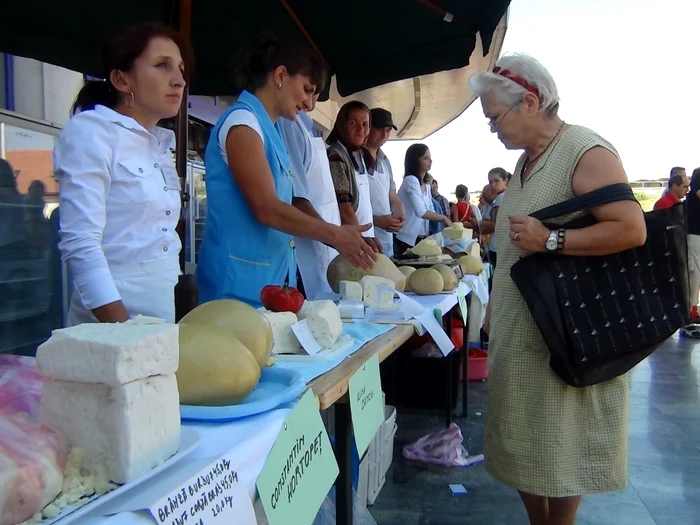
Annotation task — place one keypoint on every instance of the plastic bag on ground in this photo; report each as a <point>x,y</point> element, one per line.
<point>441,448</point>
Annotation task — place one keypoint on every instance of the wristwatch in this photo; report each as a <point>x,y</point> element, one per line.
<point>552,243</point>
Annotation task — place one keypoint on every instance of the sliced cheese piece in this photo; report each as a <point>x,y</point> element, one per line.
<point>457,233</point>
<point>373,296</point>
<point>351,309</point>
<point>285,342</point>
<point>325,324</point>
<point>350,290</point>
<point>427,248</point>
<point>110,353</point>
<point>128,429</point>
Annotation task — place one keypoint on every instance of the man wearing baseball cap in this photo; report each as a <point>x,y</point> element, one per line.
<point>389,213</point>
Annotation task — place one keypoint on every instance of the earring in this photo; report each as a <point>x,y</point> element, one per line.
<point>133,100</point>
<point>279,86</point>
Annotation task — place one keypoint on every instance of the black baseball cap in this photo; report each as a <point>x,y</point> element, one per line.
<point>381,118</point>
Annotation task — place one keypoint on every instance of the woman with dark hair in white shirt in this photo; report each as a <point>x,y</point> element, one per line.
<point>119,193</point>
<point>417,198</point>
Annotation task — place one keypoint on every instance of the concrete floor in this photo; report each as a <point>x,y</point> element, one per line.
<point>664,459</point>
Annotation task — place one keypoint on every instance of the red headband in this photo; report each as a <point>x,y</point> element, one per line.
<point>517,79</point>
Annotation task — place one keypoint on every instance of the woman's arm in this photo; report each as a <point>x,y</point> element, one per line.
<point>82,159</point>
<point>454,213</point>
<point>620,225</point>
<point>251,172</point>
<point>415,197</point>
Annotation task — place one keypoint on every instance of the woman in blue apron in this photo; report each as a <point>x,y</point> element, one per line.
<point>119,193</point>
<point>348,170</point>
<point>248,237</point>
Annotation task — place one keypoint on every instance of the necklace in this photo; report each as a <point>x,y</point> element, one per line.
<point>531,162</point>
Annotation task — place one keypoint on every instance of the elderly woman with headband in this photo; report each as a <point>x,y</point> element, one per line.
<point>551,442</point>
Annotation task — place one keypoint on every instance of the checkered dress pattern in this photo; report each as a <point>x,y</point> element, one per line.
<point>542,436</point>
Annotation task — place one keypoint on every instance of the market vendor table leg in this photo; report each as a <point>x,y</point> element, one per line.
<point>465,365</point>
<point>447,324</point>
<point>343,455</point>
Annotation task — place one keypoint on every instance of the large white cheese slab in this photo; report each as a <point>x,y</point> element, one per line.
<point>126,429</point>
<point>284,340</point>
<point>110,353</point>
<point>378,292</point>
<point>325,324</point>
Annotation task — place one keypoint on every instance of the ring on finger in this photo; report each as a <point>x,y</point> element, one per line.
<point>515,237</point>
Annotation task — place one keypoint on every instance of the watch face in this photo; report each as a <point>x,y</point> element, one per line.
<point>551,243</point>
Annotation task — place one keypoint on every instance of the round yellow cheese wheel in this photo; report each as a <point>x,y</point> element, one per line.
<point>340,269</point>
<point>426,281</point>
<point>407,271</point>
<point>240,320</point>
<point>471,265</point>
<point>215,368</point>
<point>448,276</point>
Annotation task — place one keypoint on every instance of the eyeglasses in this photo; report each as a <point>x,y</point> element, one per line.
<point>494,121</point>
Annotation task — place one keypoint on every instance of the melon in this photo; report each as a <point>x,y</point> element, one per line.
<point>340,269</point>
<point>407,271</point>
<point>240,320</point>
<point>427,248</point>
<point>471,265</point>
<point>426,281</point>
<point>448,276</point>
<point>216,369</point>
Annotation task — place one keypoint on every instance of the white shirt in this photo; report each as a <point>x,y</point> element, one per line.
<point>238,117</point>
<point>416,202</point>
<point>119,199</point>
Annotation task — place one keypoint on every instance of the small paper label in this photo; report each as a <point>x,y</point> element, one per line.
<point>462,300</point>
<point>300,468</point>
<point>366,403</point>
<point>305,338</point>
<point>213,496</point>
<point>427,319</point>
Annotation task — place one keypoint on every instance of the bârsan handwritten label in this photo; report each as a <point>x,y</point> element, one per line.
<point>366,404</point>
<point>300,469</point>
<point>211,497</point>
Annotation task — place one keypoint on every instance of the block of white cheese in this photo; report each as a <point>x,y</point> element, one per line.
<point>375,293</point>
<point>350,290</point>
<point>127,429</point>
<point>284,340</point>
<point>325,324</point>
<point>110,353</point>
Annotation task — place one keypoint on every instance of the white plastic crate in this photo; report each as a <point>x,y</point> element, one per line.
<point>377,460</point>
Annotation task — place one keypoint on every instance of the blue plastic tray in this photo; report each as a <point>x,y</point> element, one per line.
<point>277,386</point>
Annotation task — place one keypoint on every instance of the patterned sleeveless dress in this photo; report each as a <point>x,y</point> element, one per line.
<point>542,436</point>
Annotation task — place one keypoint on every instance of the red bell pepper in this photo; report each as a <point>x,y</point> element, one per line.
<point>281,298</point>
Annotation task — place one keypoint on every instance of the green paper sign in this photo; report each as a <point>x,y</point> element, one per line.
<point>300,469</point>
<point>462,299</point>
<point>366,403</point>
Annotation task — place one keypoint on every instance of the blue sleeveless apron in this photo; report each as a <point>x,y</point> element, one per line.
<point>239,255</point>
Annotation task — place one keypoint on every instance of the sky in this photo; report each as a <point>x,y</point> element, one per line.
<point>627,69</point>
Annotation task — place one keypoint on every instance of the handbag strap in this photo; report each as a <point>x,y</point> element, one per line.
<point>605,195</point>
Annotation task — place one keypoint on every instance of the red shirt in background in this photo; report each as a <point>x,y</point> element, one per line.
<point>464,211</point>
<point>666,201</point>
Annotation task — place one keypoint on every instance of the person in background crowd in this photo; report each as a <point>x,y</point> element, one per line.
<point>314,195</point>
<point>676,170</point>
<point>417,198</point>
<point>463,211</point>
<point>485,200</point>
<point>498,180</point>
<point>248,235</point>
<point>388,210</point>
<point>350,179</point>
<point>693,221</point>
<point>119,192</point>
<point>676,190</point>
<point>440,205</point>
<point>549,441</point>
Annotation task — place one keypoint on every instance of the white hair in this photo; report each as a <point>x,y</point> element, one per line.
<point>509,92</point>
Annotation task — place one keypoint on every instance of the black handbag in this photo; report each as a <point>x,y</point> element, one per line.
<point>601,315</point>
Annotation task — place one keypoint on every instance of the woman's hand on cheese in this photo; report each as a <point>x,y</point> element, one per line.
<point>350,244</point>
